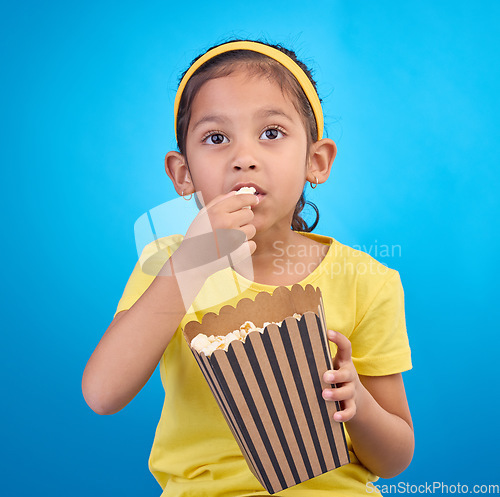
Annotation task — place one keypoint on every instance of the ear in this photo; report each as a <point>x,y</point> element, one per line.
<point>177,170</point>
<point>321,157</point>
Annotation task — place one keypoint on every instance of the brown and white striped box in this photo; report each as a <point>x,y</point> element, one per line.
<point>269,387</point>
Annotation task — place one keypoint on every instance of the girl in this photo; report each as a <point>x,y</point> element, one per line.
<point>248,114</point>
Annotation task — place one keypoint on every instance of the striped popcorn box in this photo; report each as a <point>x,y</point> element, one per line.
<point>269,386</point>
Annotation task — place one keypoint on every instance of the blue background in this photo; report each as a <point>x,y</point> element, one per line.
<point>410,96</point>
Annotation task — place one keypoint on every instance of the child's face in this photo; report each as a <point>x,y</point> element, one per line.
<point>243,130</point>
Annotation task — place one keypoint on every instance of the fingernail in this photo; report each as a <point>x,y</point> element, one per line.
<point>329,378</point>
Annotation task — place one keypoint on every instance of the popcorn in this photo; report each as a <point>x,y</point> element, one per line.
<point>209,344</point>
<point>246,189</point>
<point>200,342</point>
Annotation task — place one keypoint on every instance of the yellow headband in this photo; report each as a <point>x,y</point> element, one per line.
<point>275,54</point>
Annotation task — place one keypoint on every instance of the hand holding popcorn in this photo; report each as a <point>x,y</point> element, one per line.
<point>344,376</point>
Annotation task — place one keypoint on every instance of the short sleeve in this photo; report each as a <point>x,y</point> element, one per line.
<point>137,284</point>
<point>379,341</point>
<point>152,258</point>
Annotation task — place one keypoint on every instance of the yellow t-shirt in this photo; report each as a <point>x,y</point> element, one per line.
<point>194,452</point>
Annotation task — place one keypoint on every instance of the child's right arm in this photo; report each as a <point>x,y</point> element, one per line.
<point>134,342</point>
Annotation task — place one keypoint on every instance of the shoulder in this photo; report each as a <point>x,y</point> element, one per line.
<point>356,272</point>
<point>154,254</point>
<point>364,263</point>
<point>352,259</point>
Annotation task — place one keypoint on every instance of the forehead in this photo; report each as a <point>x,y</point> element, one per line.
<point>242,88</point>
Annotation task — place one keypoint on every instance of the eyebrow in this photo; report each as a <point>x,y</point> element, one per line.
<point>221,119</point>
<point>213,118</point>
<point>272,112</point>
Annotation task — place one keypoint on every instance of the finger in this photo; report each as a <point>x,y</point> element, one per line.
<point>221,219</point>
<point>342,393</point>
<point>249,231</point>
<point>232,207</point>
<point>347,412</point>
<point>239,218</point>
<point>236,202</point>
<point>342,375</point>
<point>219,199</point>
<point>242,253</point>
<point>233,201</point>
<point>344,350</point>
<point>242,222</point>
<point>252,245</point>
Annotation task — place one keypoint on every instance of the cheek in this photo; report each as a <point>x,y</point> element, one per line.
<point>294,165</point>
<point>205,179</point>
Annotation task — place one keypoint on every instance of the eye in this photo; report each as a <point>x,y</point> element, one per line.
<point>215,139</point>
<point>272,134</point>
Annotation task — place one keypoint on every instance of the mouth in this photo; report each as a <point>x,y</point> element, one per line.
<point>259,192</point>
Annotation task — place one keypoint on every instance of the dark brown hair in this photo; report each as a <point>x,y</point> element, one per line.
<point>223,65</point>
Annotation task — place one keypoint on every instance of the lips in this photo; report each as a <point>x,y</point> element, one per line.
<point>259,192</point>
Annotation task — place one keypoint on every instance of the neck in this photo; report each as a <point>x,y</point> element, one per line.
<point>270,242</point>
<point>277,250</point>
<point>282,257</point>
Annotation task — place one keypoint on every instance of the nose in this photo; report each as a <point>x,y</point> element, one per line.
<point>243,157</point>
<point>244,166</point>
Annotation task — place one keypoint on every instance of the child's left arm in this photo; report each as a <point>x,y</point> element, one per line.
<point>375,412</point>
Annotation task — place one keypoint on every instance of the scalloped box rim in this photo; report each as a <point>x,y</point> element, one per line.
<point>278,306</point>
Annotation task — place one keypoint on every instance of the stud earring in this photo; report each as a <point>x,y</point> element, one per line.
<point>313,186</point>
